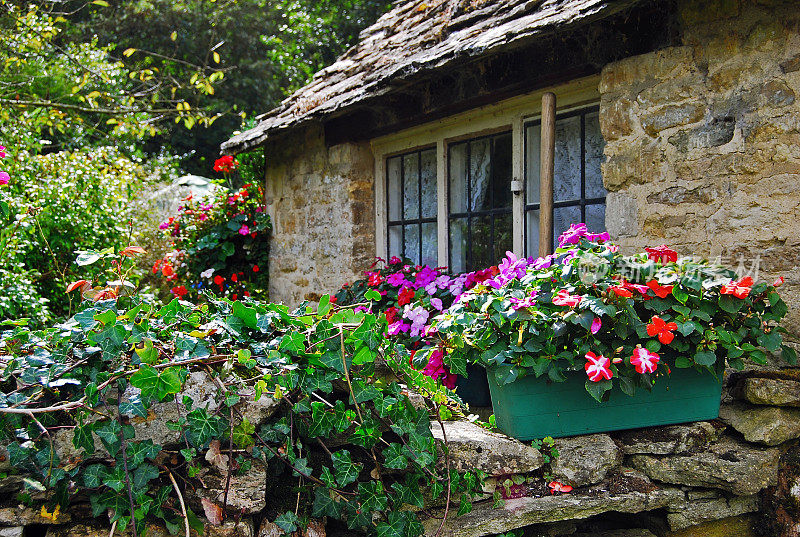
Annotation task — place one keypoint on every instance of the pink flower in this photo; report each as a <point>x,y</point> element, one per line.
<point>527,302</point>
<point>596,325</point>
<point>397,327</point>
<point>4,178</point>
<point>203,217</point>
<point>563,298</point>
<point>662,253</point>
<point>644,360</point>
<point>398,279</point>
<point>597,367</point>
<point>558,486</point>
<point>2,152</point>
<point>437,303</point>
<point>394,260</point>
<point>598,237</point>
<point>163,225</point>
<point>573,235</point>
<point>244,230</point>
<point>438,371</point>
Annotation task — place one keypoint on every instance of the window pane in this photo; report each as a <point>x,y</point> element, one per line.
<point>428,178</point>
<point>501,172</point>
<point>395,241</point>
<point>596,217</point>
<point>567,179</point>
<point>479,164</point>
<point>430,253</point>
<point>393,186</point>
<point>533,149</point>
<point>532,232</point>
<point>458,244</point>
<point>482,251</point>
<point>458,177</point>
<point>594,156</point>
<point>411,186</point>
<point>503,237</point>
<point>563,217</point>
<point>412,242</point>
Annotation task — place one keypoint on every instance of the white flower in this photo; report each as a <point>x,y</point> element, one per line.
<point>207,273</point>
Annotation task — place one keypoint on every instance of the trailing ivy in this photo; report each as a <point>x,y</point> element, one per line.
<point>347,443</point>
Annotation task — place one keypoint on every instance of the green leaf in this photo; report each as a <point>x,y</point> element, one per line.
<point>93,475</point>
<point>246,314</point>
<point>202,427</point>
<point>373,294</point>
<point>294,343</point>
<point>288,522</point>
<point>346,471</point>
<point>730,304</point>
<point>143,475</point>
<point>706,358</point>
<point>372,496</point>
<point>82,437</point>
<point>157,385</point>
<point>243,434</point>
<point>789,355</point>
<point>771,342</point>
<point>325,505</point>
<point>465,506</point>
<point>598,389</point>
<point>137,452</point>
<point>324,305</point>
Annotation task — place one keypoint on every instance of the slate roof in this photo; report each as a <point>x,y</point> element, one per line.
<point>415,37</point>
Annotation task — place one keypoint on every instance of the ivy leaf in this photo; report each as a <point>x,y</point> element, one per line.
<point>346,471</point>
<point>157,385</point>
<point>82,437</point>
<point>202,427</point>
<point>132,407</point>
<point>465,506</point>
<point>372,496</point>
<point>324,504</point>
<point>247,314</point>
<point>288,522</point>
<point>143,475</point>
<point>137,452</point>
<point>108,433</point>
<point>394,457</point>
<point>93,475</point>
<point>294,343</point>
<point>243,434</point>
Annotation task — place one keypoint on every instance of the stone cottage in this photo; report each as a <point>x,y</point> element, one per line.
<point>676,122</point>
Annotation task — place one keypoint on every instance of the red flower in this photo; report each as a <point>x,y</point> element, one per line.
<point>332,300</point>
<point>225,164</point>
<point>644,361</point>
<point>663,330</point>
<point>778,282</point>
<point>557,486</point>
<point>391,314</point>
<point>405,296</point>
<point>641,289</point>
<point>179,291</point>
<point>738,289</point>
<point>661,291</point>
<point>234,278</point>
<point>662,253</point>
<point>597,367</point>
<point>621,291</point>
<point>375,279</point>
<point>167,271</point>
<point>255,268</point>
<point>234,296</point>
<point>563,298</point>
<point>218,279</point>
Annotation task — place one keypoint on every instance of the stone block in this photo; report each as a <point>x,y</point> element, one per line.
<point>729,465</point>
<point>247,492</point>
<point>672,439</point>
<point>713,507</point>
<point>474,448</point>
<point>740,526</point>
<point>16,531</point>
<point>622,215</point>
<point>632,532</point>
<point>767,425</point>
<point>766,391</point>
<point>672,115</point>
<point>585,460</point>
<point>616,118</point>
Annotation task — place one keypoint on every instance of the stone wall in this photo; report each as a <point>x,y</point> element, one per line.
<point>703,139</point>
<point>737,476</point>
<point>320,200</point>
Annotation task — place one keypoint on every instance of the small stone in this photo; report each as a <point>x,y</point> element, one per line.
<point>474,448</point>
<point>712,507</point>
<point>25,516</point>
<point>12,532</point>
<point>776,392</point>
<point>231,528</point>
<point>585,460</point>
<point>622,215</point>
<point>729,465</point>
<point>269,529</point>
<point>767,425</point>
<point>740,526</point>
<point>246,492</point>
<point>668,440</point>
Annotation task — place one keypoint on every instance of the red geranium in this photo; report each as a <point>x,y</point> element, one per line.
<point>225,164</point>
<point>179,291</point>
<point>218,279</point>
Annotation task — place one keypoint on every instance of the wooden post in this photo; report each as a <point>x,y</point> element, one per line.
<point>546,172</point>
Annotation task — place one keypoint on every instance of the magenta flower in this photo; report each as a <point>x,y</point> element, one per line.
<point>163,225</point>
<point>398,279</point>
<point>520,303</point>
<point>2,152</point>
<point>244,230</point>
<point>644,361</point>
<point>563,298</point>
<point>598,237</point>
<point>394,260</point>
<point>425,276</point>
<point>397,327</point>
<point>437,303</point>
<point>438,371</point>
<point>4,178</point>
<point>543,262</point>
<point>596,325</point>
<point>573,235</point>
<point>203,217</point>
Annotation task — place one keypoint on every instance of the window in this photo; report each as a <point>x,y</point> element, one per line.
<point>480,230</point>
<point>462,190</point>
<point>411,200</point>
<point>578,192</point>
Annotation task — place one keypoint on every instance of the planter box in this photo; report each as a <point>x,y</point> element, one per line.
<point>533,407</point>
<point>474,388</point>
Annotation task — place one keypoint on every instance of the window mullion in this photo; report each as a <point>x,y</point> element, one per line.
<point>442,204</point>
<point>518,186</point>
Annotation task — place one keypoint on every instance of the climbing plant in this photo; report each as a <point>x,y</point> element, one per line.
<point>347,442</point>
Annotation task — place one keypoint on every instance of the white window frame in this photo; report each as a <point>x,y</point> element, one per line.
<point>510,114</point>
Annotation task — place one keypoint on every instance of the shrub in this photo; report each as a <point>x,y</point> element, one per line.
<point>623,320</point>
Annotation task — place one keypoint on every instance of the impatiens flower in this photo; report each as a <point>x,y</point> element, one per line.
<point>4,178</point>
<point>573,235</point>
<point>778,282</point>
<point>662,253</point>
<point>218,279</point>
<point>397,327</point>
<point>620,291</point>
<point>520,303</point>
<point>438,371</point>
<point>663,330</point>
<point>418,317</point>
<point>644,361</point>
<point>738,289</point>
<point>641,289</point>
<point>374,279</point>
<point>598,237</point>
<point>255,268</point>
<point>661,291</point>
<point>425,276</point>
<point>391,315</point>
<point>207,273</point>
<point>563,298</point>
<point>557,486</point>
<point>163,225</point>
<point>437,303</point>
<point>597,367</point>
<point>398,279</point>
<point>244,230</point>
<point>543,262</point>
<point>179,291</point>
<point>405,296</point>
<point>596,325</point>
<point>2,152</point>
<point>234,278</point>
<point>394,260</point>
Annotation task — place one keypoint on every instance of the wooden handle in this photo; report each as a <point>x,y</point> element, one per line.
<point>546,172</point>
